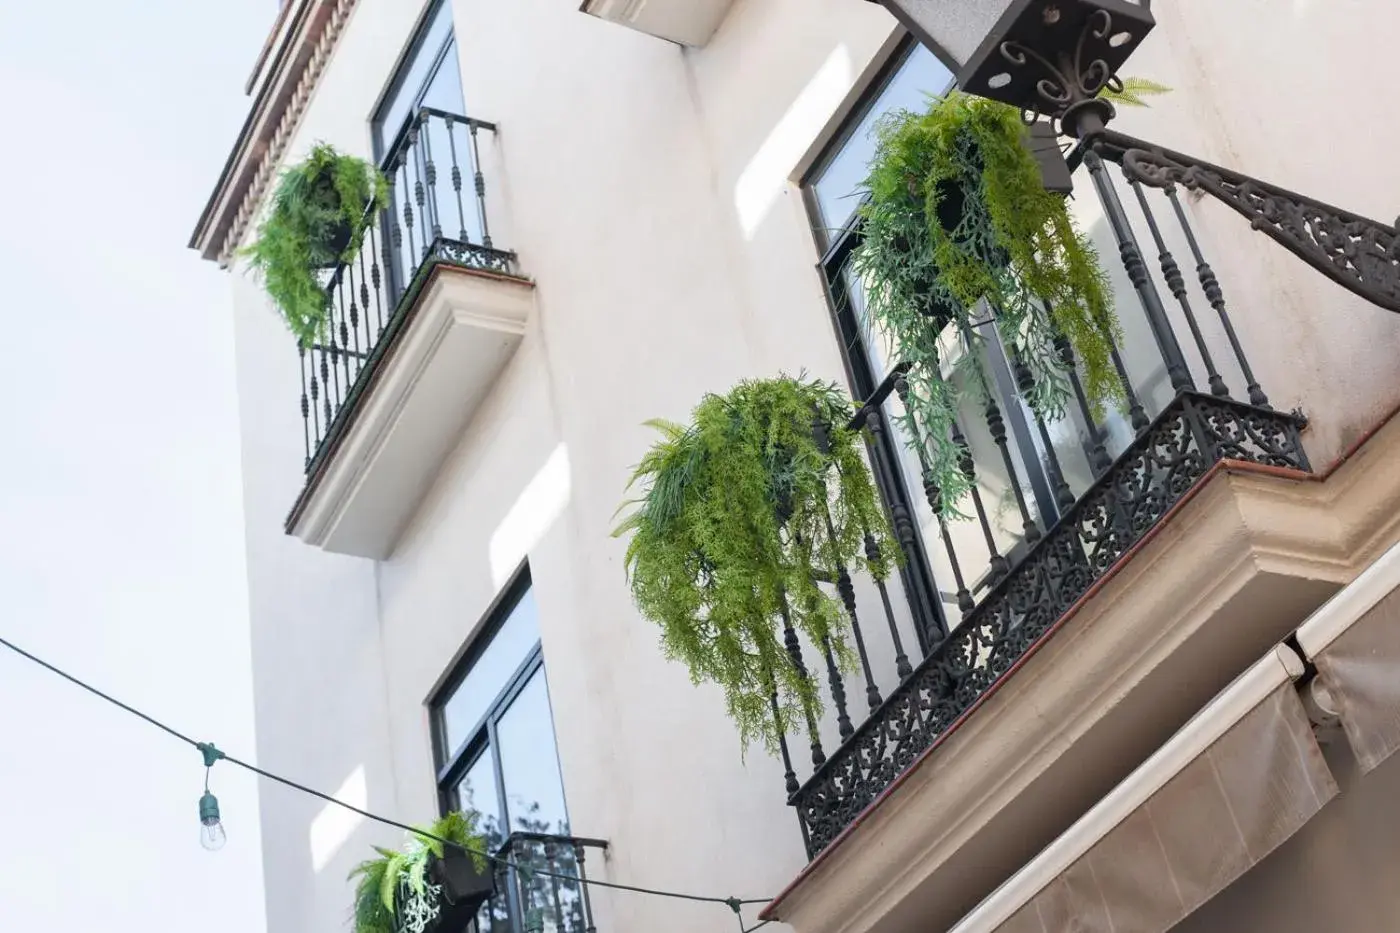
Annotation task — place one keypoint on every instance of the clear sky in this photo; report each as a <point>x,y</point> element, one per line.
<point>121,550</point>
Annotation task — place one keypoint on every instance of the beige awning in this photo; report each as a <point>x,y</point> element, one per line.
<point>1233,784</point>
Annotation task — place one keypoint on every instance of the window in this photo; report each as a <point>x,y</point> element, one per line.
<point>913,77</point>
<point>427,78</point>
<point>492,729</point>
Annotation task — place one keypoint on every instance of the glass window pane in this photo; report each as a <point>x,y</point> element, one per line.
<point>920,77</point>
<point>415,73</point>
<point>463,709</point>
<point>529,762</point>
<point>478,791</point>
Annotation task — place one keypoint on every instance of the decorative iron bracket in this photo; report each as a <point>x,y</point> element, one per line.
<point>1359,254</point>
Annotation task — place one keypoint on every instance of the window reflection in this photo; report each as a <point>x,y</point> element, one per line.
<point>529,762</point>
<point>493,669</point>
<point>920,77</point>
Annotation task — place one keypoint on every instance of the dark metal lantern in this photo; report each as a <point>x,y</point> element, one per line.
<point>1046,55</point>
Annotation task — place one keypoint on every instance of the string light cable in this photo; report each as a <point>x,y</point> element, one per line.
<point>212,835</point>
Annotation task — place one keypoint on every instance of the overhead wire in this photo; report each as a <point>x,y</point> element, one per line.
<point>733,903</point>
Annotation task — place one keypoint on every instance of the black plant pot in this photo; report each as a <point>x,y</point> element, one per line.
<point>465,888</point>
<point>327,248</point>
<point>1042,144</point>
<point>462,880</point>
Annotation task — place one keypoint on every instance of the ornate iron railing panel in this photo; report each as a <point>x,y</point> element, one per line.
<point>1175,452</point>
<point>1053,504</point>
<point>437,214</point>
<point>541,887</point>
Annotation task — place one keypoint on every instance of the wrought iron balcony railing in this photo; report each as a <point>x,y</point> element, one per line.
<point>1053,506</point>
<point>540,886</point>
<point>437,213</point>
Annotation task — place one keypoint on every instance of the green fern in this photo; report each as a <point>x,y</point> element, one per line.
<point>314,199</point>
<point>739,512</point>
<point>378,880</point>
<point>957,212</point>
<point>1133,92</point>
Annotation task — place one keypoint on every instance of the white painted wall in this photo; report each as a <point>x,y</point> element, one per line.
<point>648,191</point>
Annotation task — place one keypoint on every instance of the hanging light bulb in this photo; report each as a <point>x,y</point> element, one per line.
<point>211,830</point>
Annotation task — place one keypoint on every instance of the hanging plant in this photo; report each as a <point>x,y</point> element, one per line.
<point>319,215</point>
<point>957,212</point>
<point>740,513</point>
<point>411,890</point>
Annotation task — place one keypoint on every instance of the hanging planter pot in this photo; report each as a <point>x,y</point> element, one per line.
<point>428,886</point>
<point>319,214</point>
<point>965,205</point>
<point>740,513</point>
<point>458,885</point>
<point>331,241</point>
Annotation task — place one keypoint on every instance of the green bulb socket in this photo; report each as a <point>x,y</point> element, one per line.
<point>208,809</point>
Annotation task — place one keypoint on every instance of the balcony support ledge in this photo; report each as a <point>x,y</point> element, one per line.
<point>1235,567</point>
<point>422,384</point>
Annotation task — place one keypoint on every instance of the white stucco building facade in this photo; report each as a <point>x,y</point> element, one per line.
<point>432,581</point>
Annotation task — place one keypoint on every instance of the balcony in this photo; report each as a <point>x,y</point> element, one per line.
<point>536,890</point>
<point>1055,510</point>
<point>423,320</point>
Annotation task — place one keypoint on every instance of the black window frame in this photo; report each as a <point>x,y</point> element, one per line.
<point>385,139</point>
<point>450,765</point>
<point>835,245</point>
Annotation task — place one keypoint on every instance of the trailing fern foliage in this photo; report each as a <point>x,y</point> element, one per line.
<point>381,882</point>
<point>1133,91</point>
<point>316,202</point>
<point>739,512</point>
<point>957,212</point>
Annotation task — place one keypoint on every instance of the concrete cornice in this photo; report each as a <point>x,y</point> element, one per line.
<point>289,67</point>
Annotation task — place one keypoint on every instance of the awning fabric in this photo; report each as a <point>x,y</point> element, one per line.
<point>1205,827</point>
<point>1233,784</point>
<point>1360,670</point>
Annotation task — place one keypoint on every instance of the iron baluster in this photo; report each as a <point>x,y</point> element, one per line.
<point>996,561</point>
<point>430,175</point>
<point>315,399</point>
<point>789,775</point>
<point>1360,254</point>
<point>1177,284</point>
<point>1025,384</point>
<point>794,650</point>
<point>551,858</point>
<point>1131,255</point>
<point>480,182</point>
<point>1211,286</point>
<point>347,318</point>
<point>409,259</point>
<point>581,856</point>
<point>305,405</point>
<point>1097,453</point>
<point>364,291</point>
<point>838,692</point>
<point>901,660</point>
<point>376,279</point>
<point>901,521</point>
<point>419,194</point>
<point>325,386</point>
<point>1136,414</point>
<point>997,426</point>
<point>934,496</point>
<point>456,179</point>
<point>847,592</point>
